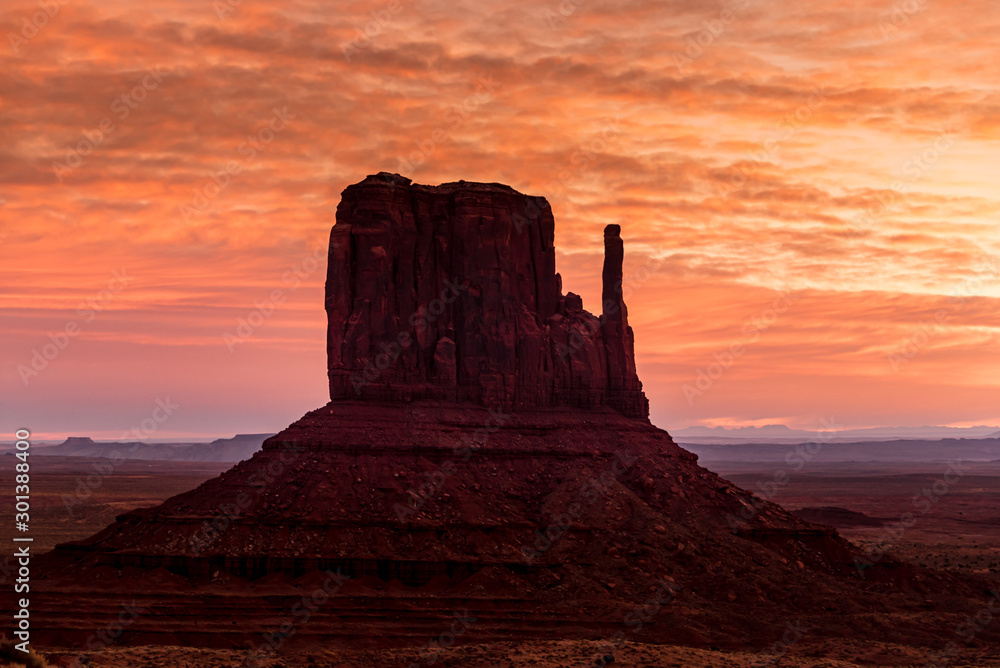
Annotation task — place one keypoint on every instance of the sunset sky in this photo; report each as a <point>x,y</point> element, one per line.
<point>813,185</point>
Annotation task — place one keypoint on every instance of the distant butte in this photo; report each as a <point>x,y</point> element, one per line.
<point>486,449</point>
<point>450,293</point>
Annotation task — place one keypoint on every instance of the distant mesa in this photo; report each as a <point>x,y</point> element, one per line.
<point>235,449</point>
<point>78,442</point>
<point>785,434</point>
<point>775,430</point>
<point>486,448</point>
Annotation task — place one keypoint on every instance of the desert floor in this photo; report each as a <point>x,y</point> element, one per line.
<point>73,498</point>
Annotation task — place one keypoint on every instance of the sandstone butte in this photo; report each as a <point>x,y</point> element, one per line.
<point>486,453</point>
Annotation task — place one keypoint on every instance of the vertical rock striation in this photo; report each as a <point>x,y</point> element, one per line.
<point>450,293</point>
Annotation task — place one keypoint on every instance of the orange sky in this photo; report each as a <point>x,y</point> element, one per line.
<point>811,185</point>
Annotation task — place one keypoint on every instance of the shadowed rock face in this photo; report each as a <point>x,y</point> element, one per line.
<point>450,293</point>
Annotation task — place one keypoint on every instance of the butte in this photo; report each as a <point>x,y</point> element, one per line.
<point>486,453</point>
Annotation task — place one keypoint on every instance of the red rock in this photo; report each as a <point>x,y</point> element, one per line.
<point>450,293</point>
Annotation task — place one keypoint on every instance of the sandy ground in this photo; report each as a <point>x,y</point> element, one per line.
<point>961,532</point>
<point>561,654</point>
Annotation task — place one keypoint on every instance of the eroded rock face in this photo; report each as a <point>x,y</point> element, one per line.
<point>450,293</point>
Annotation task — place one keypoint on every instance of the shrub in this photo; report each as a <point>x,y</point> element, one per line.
<point>10,656</point>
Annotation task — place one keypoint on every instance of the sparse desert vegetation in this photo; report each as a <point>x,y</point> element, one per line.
<point>541,654</point>
<point>11,656</point>
<point>955,535</point>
